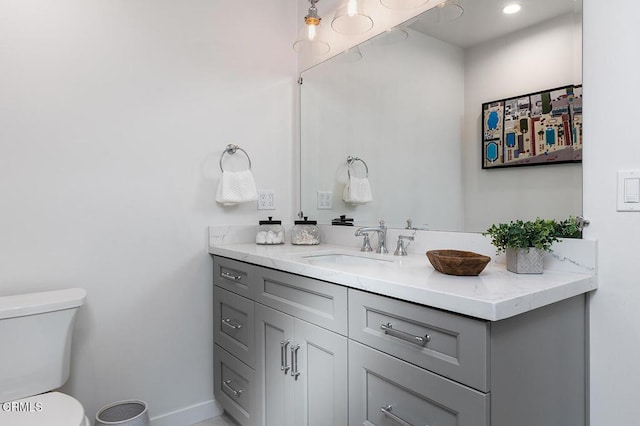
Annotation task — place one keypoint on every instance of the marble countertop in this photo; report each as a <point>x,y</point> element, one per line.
<point>493,295</point>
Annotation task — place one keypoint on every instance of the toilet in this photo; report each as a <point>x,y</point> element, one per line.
<point>35,342</point>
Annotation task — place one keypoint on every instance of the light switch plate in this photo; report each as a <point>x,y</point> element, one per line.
<point>324,200</point>
<point>628,191</point>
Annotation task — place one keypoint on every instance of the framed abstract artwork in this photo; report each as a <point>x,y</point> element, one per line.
<point>537,128</point>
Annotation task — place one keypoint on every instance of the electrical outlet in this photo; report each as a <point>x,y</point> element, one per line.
<point>266,200</point>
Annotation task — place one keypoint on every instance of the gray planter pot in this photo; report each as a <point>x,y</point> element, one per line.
<point>525,261</point>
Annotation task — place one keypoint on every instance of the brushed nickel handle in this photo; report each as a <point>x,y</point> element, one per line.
<point>294,361</point>
<point>227,322</point>
<point>283,356</point>
<point>230,276</point>
<point>387,412</point>
<point>418,340</point>
<point>227,384</point>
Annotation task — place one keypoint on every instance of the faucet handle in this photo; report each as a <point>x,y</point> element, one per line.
<point>401,248</point>
<point>366,242</point>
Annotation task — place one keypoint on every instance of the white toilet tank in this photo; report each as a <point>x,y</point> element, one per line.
<point>35,341</point>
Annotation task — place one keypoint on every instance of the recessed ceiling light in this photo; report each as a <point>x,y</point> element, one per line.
<point>511,9</point>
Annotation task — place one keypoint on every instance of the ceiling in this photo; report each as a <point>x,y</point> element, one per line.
<point>483,20</point>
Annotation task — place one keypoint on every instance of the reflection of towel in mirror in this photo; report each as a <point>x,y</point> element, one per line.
<point>357,191</point>
<point>236,187</point>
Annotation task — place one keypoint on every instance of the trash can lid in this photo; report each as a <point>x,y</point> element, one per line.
<point>51,409</point>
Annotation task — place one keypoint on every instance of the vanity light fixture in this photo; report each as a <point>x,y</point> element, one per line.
<point>511,8</point>
<point>308,40</point>
<point>403,4</point>
<point>351,18</point>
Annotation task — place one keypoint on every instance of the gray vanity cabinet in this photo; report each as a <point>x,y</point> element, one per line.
<point>295,351</point>
<point>281,348</point>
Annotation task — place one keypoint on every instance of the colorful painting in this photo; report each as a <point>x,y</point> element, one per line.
<point>538,128</point>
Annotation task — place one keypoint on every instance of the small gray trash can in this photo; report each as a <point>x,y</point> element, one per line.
<point>124,413</point>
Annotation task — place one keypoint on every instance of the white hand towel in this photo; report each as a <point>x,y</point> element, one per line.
<point>357,191</point>
<point>236,187</point>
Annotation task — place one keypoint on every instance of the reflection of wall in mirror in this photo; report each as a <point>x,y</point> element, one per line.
<point>395,119</point>
<point>546,55</point>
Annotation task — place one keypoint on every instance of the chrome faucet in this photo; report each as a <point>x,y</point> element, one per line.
<point>382,236</point>
<point>401,249</point>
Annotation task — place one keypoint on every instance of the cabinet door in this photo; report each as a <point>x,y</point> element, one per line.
<point>233,324</point>
<point>451,345</point>
<point>386,391</point>
<point>274,333</point>
<point>320,372</point>
<point>312,300</point>
<point>234,387</point>
<point>233,275</point>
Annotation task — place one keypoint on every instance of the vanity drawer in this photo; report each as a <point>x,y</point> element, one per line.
<point>448,344</point>
<point>233,324</point>
<point>318,302</point>
<point>384,390</point>
<point>233,275</point>
<point>234,386</point>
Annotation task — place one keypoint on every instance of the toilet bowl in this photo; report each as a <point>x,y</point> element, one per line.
<point>50,409</point>
<point>35,332</point>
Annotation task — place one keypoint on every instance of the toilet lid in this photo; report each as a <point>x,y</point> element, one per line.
<point>51,409</point>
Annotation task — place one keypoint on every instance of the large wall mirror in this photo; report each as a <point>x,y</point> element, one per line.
<point>408,103</point>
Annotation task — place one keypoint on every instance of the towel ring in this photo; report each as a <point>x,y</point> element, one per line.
<point>231,149</point>
<point>351,160</point>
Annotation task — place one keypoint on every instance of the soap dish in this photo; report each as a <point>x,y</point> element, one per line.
<point>458,262</point>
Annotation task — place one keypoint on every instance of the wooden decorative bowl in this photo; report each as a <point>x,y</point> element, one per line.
<point>457,262</point>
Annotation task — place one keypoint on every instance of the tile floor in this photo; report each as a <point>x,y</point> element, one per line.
<point>222,420</point>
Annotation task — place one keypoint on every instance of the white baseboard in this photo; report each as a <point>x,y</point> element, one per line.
<point>189,415</point>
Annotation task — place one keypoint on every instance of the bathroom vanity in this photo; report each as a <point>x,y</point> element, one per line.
<point>329,336</point>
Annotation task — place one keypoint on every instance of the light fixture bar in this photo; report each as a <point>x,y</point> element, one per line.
<point>403,4</point>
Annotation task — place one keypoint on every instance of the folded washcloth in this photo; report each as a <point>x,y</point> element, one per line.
<point>357,191</point>
<point>236,187</point>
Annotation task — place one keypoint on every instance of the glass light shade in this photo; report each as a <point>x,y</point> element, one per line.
<point>349,56</point>
<point>391,36</point>
<point>403,4</point>
<point>448,11</point>
<point>351,18</point>
<point>309,42</point>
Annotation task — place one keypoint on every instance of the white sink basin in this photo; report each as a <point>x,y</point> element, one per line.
<point>345,259</point>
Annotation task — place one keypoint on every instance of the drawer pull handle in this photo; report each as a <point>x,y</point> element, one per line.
<point>294,361</point>
<point>419,340</point>
<point>227,322</point>
<point>227,384</point>
<point>387,412</point>
<point>230,276</point>
<point>283,356</point>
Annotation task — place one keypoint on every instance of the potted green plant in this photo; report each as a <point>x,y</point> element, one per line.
<point>568,228</point>
<point>524,243</point>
